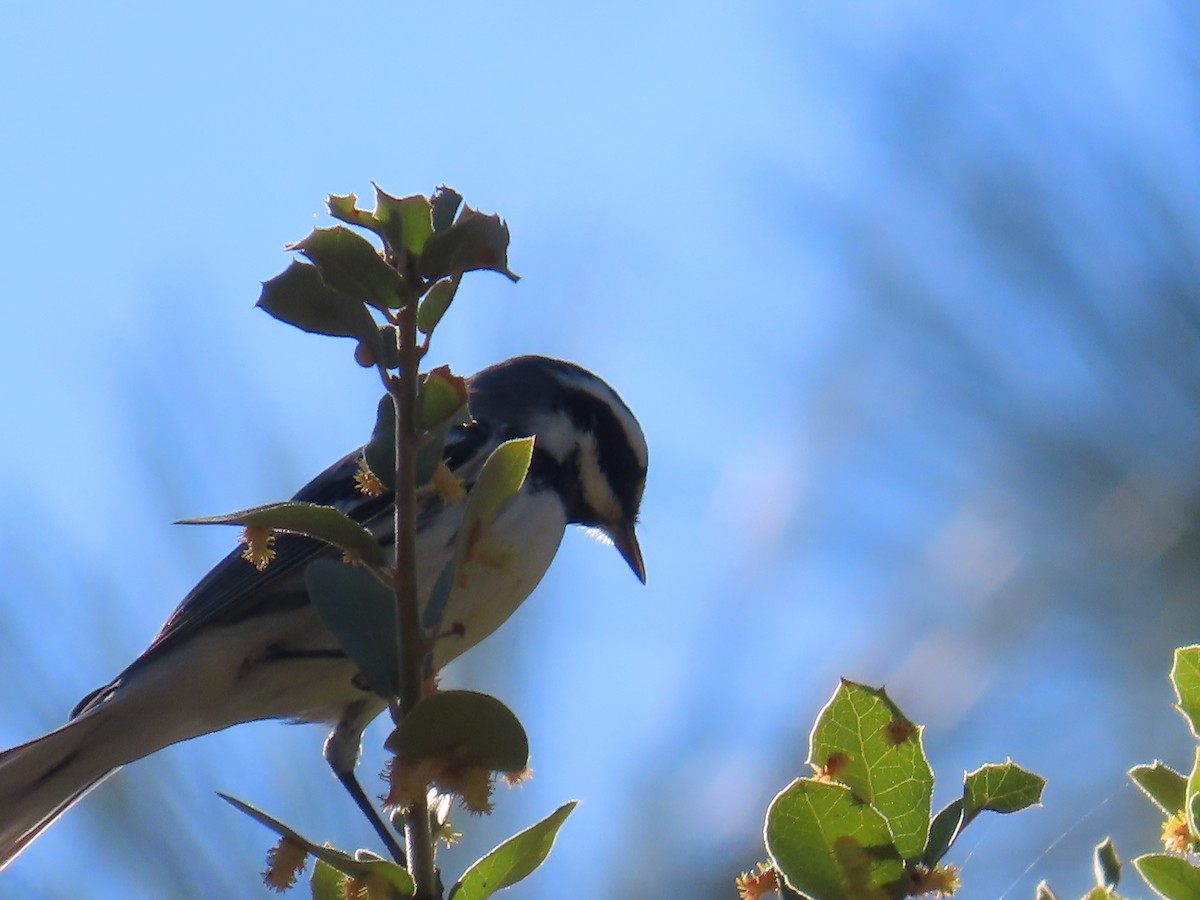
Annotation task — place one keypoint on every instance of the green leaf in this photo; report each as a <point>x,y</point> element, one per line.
<point>499,480</point>
<point>439,596</point>
<point>474,241</point>
<point>1185,676</point>
<point>473,729</point>
<point>1162,784</point>
<point>389,349</point>
<point>943,831</point>
<point>1043,892</point>
<point>445,203</point>
<point>1169,876</point>
<point>325,523</point>
<point>342,206</point>
<point>1191,804</point>
<point>404,222</point>
<point>513,860</point>
<point>380,451</point>
<point>345,207</point>
<point>443,394</point>
<point>351,264</point>
<point>327,882</point>
<point>397,878</point>
<point>360,612</point>
<point>864,741</point>
<point>299,297</point>
<point>1106,865</point>
<point>435,303</point>
<point>1001,787</point>
<point>430,451</point>
<point>829,844</point>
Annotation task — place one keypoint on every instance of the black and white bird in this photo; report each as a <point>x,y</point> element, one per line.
<point>247,644</point>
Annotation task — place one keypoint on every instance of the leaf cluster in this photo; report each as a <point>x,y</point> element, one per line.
<point>1175,873</point>
<point>860,827</point>
<point>388,291</point>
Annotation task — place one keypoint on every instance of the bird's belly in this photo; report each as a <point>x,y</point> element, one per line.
<point>302,674</point>
<point>501,570</point>
<point>287,665</point>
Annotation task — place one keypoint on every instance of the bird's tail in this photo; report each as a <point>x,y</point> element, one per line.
<point>40,780</point>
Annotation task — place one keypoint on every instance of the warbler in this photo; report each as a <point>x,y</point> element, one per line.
<point>247,644</point>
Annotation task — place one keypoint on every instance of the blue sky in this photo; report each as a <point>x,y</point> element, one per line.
<point>870,276</point>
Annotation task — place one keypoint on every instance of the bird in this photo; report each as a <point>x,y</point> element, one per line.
<point>247,644</point>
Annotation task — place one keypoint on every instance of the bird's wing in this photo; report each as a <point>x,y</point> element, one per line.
<point>234,589</point>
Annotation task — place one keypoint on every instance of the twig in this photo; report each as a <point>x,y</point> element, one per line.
<point>403,388</point>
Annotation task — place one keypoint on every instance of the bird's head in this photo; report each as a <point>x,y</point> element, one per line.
<point>589,446</point>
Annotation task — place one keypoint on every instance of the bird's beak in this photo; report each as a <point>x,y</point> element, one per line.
<point>625,540</point>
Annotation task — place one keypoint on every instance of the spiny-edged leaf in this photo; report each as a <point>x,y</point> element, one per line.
<point>406,222</point>
<point>474,241</point>
<point>327,882</point>
<point>863,740</point>
<point>1185,676</point>
<point>445,207</point>
<point>325,523</point>
<point>443,394</point>
<point>351,264</point>
<point>943,831</point>
<point>1001,787</point>
<point>513,860</point>
<point>1043,892</point>
<point>435,303</point>
<point>299,297</point>
<point>1162,784</point>
<point>1171,877</point>
<point>361,613</point>
<point>465,727</point>
<point>1106,864</point>
<point>397,878</point>
<point>1191,802</point>
<point>345,207</point>
<point>828,843</point>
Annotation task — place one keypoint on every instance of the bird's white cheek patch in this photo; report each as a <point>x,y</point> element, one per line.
<point>595,487</point>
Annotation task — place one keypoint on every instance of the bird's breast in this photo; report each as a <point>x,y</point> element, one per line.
<point>503,564</point>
